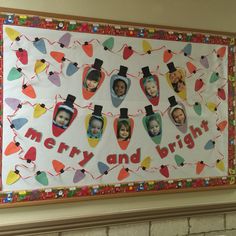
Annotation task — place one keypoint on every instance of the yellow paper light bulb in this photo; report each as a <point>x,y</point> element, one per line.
<point>12,34</point>
<point>147,48</point>
<point>145,164</point>
<point>220,165</point>
<point>12,177</point>
<point>40,66</point>
<point>212,106</point>
<point>39,110</point>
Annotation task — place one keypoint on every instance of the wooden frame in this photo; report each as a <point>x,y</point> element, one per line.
<point>133,28</point>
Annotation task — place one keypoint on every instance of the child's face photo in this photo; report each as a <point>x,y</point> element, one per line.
<point>62,118</point>
<point>154,127</point>
<point>151,88</point>
<point>96,126</point>
<point>91,84</point>
<point>178,116</point>
<point>123,132</point>
<point>175,76</point>
<point>120,88</point>
<point>180,86</point>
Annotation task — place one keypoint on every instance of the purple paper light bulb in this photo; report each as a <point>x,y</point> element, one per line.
<point>79,175</point>
<point>54,78</point>
<point>12,103</point>
<point>64,41</point>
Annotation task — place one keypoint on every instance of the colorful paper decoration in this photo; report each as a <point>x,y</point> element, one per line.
<point>54,78</point>
<point>204,62</point>
<point>198,85</point>
<point>220,165</point>
<point>58,56</point>
<point>79,175</point>
<point>147,48</point>
<point>40,66</point>
<point>64,41</point>
<point>128,52</point>
<point>18,123</point>
<point>13,103</point>
<point>88,49</point>
<point>150,86</point>
<point>95,124</point>
<point>152,123</point>
<point>214,77</point>
<point>221,52</point>
<point>191,68</point>
<point>211,106</point>
<point>40,45</point>
<point>12,34</point>
<point>179,160</point>
<point>58,166</point>
<point>197,108</point>
<point>14,74</point>
<point>164,171</point>
<point>42,178</point>
<point>123,174</point>
<point>12,177</point>
<point>108,44</point>
<point>167,55</point>
<point>119,86</point>
<point>30,155</point>
<point>222,125</point>
<point>22,55</point>
<point>39,110</point>
<point>200,167</point>
<point>187,50</point>
<point>12,148</point>
<point>72,68</point>
<point>63,115</point>
<point>177,114</point>
<point>28,90</point>
<point>221,93</point>
<point>146,162</point>
<point>103,168</point>
<point>209,145</point>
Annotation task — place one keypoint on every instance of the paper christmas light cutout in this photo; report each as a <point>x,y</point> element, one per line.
<point>119,86</point>
<point>146,162</point>
<point>72,68</point>
<point>40,45</point>
<point>204,62</point>
<point>221,52</point>
<point>39,110</point>
<point>64,41</point>
<point>222,125</point>
<point>200,167</point>
<point>177,114</point>
<point>103,168</point>
<point>58,56</point>
<point>12,177</point>
<point>152,123</point>
<point>40,66</point>
<point>191,68</point>
<point>18,123</point>
<point>42,178</point>
<point>95,125</point>
<point>123,174</point>
<point>211,106</point>
<point>58,166</point>
<point>187,50</point>
<point>123,127</point>
<point>176,80</point>
<point>108,44</point>
<point>28,90</point>
<point>88,49</point>
<point>179,160</point>
<point>214,77</point>
<point>12,147</point>
<point>221,93</point>
<point>92,79</point>
<point>64,114</point>
<point>128,52</point>
<point>30,155</point>
<point>150,86</point>
<point>14,74</point>
<point>167,55</point>
<point>54,78</point>
<point>22,55</point>
<point>147,48</point>
<point>209,145</point>
<point>12,34</point>
<point>197,107</point>
<point>13,103</point>
<point>164,171</point>
<point>79,175</point>
<point>198,85</point>
<point>220,165</point>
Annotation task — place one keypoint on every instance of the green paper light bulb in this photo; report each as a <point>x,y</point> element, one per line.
<point>108,44</point>
<point>214,77</point>
<point>42,178</point>
<point>197,108</point>
<point>179,160</point>
<point>14,74</point>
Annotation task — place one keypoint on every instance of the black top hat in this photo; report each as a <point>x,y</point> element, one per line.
<point>124,113</point>
<point>97,110</point>
<point>97,64</point>
<point>172,101</point>
<point>171,67</point>
<point>146,72</point>
<point>149,110</point>
<point>70,100</point>
<point>123,71</point>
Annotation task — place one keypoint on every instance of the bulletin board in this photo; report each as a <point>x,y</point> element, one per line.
<point>105,109</point>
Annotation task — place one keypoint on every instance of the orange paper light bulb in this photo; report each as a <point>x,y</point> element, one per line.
<point>123,174</point>
<point>88,49</point>
<point>58,166</point>
<point>191,68</point>
<point>12,148</point>
<point>167,55</point>
<point>221,126</point>
<point>199,167</point>
<point>58,56</point>
<point>28,90</point>
<point>221,52</point>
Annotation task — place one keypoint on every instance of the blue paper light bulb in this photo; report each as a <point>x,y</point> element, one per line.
<point>18,123</point>
<point>40,45</point>
<point>187,49</point>
<point>72,68</point>
<point>209,145</point>
<point>103,168</point>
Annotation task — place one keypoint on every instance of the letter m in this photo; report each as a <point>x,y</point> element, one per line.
<point>34,135</point>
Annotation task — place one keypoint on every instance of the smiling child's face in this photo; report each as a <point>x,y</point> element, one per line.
<point>120,88</point>
<point>179,116</point>
<point>62,118</point>
<point>151,88</point>
<point>91,84</point>
<point>154,127</point>
<point>124,132</point>
<point>96,126</point>
<point>175,76</point>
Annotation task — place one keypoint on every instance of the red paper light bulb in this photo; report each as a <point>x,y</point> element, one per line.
<point>128,52</point>
<point>30,155</point>
<point>198,84</point>
<point>221,93</point>
<point>22,55</point>
<point>164,171</point>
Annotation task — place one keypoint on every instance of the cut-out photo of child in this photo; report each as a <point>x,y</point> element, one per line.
<point>179,86</point>
<point>92,80</point>
<point>178,116</point>
<point>119,87</point>
<point>150,86</point>
<point>123,130</point>
<point>95,128</point>
<point>153,126</point>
